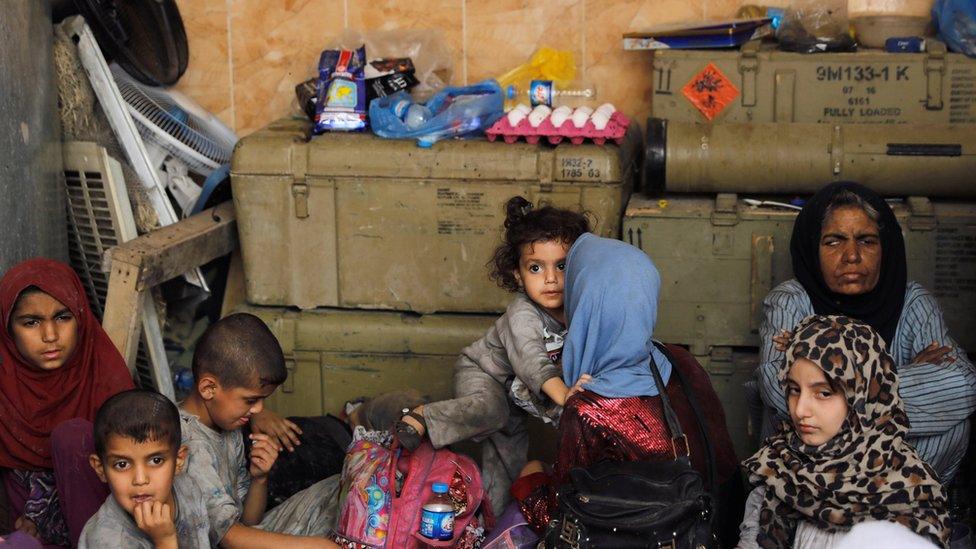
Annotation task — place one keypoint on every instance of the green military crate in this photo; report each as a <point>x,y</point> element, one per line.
<point>729,370</point>
<point>353,220</point>
<point>761,84</point>
<point>335,355</point>
<point>719,257</point>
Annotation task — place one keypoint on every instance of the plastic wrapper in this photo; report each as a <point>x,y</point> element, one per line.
<point>452,112</point>
<point>545,64</point>
<point>432,58</point>
<point>956,21</point>
<point>388,76</point>
<point>815,26</point>
<point>341,99</point>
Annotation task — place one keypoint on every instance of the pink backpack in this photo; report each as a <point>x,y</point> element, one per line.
<point>372,516</point>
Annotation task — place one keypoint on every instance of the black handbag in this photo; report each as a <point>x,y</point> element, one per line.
<point>640,504</point>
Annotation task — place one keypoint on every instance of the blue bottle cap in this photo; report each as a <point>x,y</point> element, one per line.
<point>440,487</point>
<point>510,92</point>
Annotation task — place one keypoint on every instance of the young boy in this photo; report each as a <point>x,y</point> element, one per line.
<point>138,453</point>
<point>237,364</point>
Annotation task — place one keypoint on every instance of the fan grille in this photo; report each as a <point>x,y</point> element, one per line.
<point>91,231</point>
<point>159,116</point>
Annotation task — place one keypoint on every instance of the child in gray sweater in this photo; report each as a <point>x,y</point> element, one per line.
<point>514,369</point>
<point>138,453</point>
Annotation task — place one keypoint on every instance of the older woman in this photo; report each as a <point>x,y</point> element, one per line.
<point>611,307</point>
<point>849,259</point>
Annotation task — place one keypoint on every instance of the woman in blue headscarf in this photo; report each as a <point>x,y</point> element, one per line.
<point>611,308</point>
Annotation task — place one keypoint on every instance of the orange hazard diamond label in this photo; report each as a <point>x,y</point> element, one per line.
<point>710,91</point>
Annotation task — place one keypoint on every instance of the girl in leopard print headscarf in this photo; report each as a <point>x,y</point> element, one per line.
<point>864,472</point>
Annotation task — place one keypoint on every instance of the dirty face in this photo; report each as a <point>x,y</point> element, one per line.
<point>542,274</point>
<point>139,472</point>
<point>850,251</point>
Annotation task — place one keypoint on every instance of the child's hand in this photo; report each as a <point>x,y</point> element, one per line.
<point>283,432</point>
<point>156,520</point>
<point>263,455</point>
<point>26,526</point>
<point>578,387</point>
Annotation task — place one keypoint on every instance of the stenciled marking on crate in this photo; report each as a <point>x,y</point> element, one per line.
<point>962,96</point>
<point>463,212</point>
<point>955,263</point>
<point>578,168</point>
<point>884,93</point>
<point>872,91</point>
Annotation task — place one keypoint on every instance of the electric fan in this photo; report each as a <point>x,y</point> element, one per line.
<point>180,136</point>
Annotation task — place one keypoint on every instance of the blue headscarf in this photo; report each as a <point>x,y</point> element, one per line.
<point>611,307</point>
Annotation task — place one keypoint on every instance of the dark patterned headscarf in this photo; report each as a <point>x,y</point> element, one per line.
<point>881,307</point>
<point>867,471</point>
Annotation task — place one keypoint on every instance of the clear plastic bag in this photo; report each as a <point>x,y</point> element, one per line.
<point>956,21</point>
<point>814,26</point>
<point>453,112</point>
<point>432,57</point>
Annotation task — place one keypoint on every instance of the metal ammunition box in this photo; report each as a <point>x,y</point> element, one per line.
<point>336,355</point>
<point>353,220</point>
<point>719,257</point>
<point>760,84</point>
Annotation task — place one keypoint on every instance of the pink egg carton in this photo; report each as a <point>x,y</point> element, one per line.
<point>615,131</point>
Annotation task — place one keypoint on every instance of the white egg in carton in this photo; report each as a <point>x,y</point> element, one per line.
<point>603,124</point>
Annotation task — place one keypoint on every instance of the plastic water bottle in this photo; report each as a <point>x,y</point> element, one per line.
<point>417,115</point>
<point>437,518</point>
<point>547,92</point>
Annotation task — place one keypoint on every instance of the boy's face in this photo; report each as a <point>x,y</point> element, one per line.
<point>139,472</point>
<point>231,408</point>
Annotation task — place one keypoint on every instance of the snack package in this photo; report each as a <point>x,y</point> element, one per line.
<point>341,101</point>
<point>387,76</point>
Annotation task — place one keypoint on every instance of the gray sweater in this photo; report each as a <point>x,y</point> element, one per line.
<point>525,342</point>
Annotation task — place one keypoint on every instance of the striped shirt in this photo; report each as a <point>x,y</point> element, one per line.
<point>938,397</point>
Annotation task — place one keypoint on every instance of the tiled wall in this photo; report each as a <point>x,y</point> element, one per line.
<point>246,56</point>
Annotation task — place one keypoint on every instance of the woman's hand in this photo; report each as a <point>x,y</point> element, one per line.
<point>934,354</point>
<point>282,432</point>
<point>26,526</point>
<point>782,341</point>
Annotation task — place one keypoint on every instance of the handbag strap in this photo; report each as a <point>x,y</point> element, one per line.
<point>671,418</point>
<point>695,408</point>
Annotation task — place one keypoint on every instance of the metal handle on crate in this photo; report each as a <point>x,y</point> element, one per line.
<point>760,278</point>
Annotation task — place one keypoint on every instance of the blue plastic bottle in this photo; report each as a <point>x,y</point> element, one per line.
<point>437,518</point>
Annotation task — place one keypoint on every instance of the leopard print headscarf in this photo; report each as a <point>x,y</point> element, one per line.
<point>867,471</point>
